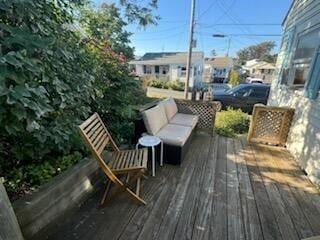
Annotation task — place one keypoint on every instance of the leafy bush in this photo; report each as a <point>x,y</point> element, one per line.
<point>27,178</point>
<point>234,78</point>
<point>173,85</point>
<point>53,76</point>
<point>176,85</point>
<point>231,122</point>
<point>157,83</point>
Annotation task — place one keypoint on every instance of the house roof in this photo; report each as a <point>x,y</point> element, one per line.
<point>259,65</point>
<point>266,65</point>
<point>161,58</point>
<point>288,12</point>
<point>219,62</point>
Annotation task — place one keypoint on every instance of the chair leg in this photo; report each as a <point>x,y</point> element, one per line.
<point>138,187</point>
<point>105,193</point>
<point>125,188</point>
<point>127,178</point>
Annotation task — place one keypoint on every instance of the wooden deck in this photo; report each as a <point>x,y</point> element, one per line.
<point>225,189</point>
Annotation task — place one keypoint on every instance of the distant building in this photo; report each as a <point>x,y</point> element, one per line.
<point>260,69</point>
<point>169,66</point>
<point>216,69</point>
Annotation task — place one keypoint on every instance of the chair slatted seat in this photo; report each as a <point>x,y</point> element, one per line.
<point>132,163</point>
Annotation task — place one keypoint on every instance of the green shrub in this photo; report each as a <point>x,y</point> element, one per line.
<point>158,83</point>
<point>164,84</point>
<point>176,85</point>
<point>26,178</point>
<point>54,76</point>
<point>234,78</point>
<point>231,122</point>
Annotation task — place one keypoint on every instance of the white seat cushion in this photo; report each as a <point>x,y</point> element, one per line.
<point>174,134</point>
<point>170,107</point>
<point>154,119</point>
<point>185,120</point>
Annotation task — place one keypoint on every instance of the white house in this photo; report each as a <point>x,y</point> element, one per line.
<point>216,69</point>
<point>297,83</point>
<point>260,69</point>
<point>169,66</point>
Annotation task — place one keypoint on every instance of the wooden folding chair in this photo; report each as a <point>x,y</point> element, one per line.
<point>130,163</point>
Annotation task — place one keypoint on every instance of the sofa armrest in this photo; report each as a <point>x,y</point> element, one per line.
<point>206,111</point>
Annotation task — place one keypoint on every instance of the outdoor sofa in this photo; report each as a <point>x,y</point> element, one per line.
<point>174,122</point>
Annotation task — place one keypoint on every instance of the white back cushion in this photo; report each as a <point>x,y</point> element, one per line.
<point>170,107</point>
<point>154,119</point>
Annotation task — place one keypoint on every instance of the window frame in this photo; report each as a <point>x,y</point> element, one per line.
<point>293,63</point>
<point>183,73</point>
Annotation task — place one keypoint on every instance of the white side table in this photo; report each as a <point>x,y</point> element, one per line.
<point>152,141</point>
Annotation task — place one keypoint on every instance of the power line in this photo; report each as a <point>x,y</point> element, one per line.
<point>247,34</point>
<point>208,9</point>
<point>162,31</point>
<point>234,20</point>
<point>239,24</point>
<point>159,38</point>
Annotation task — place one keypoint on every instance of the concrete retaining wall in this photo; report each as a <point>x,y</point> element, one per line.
<point>40,210</point>
<point>164,93</point>
<point>9,227</point>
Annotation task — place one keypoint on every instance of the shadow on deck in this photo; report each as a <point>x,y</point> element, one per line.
<point>224,189</point>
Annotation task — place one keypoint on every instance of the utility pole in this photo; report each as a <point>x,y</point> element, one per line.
<point>229,43</point>
<point>186,87</point>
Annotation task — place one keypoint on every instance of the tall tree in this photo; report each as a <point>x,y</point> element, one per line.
<point>140,11</point>
<point>261,51</point>
<point>106,24</point>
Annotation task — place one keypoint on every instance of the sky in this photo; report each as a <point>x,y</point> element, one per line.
<point>234,18</point>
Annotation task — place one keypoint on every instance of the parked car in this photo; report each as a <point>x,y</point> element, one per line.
<point>243,96</point>
<point>255,80</point>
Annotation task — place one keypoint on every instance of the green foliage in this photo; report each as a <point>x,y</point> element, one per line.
<point>157,83</point>
<point>261,51</point>
<point>55,71</point>
<point>25,178</point>
<point>164,84</point>
<point>176,85</point>
<point>234,78</point>
<point>140,11</point>
<point>231,122</point>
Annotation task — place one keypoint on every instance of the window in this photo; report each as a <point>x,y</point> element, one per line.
<point>183,72</point>
<point>242,92</point>
<point>258,92</point>
<point>156,69</point>
<point>262,71</point>
<point>165,69</point>
<point>304,53</point>
<point>147,69</point>
<point>253,70</point>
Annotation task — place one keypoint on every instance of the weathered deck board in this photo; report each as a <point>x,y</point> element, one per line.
<point>251,221</point>
<point>235,217</point>
<point>224,189</point>
<point>282,216</point>
<point>201,229</point>
<point>270,228</point>
<point>219,221</point>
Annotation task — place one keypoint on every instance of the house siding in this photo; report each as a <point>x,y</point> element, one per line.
<point>304,136</point>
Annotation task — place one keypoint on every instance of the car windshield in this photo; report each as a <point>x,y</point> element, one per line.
<point>235,89</point>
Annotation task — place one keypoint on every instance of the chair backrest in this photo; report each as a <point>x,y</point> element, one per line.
<point>97,137</point>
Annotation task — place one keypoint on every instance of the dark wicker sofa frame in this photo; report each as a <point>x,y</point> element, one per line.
<point>206,112</point>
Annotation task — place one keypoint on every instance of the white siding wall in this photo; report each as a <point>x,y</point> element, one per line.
<point>139,70</point>
<point>174,72</point>
<point>304,136</point>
